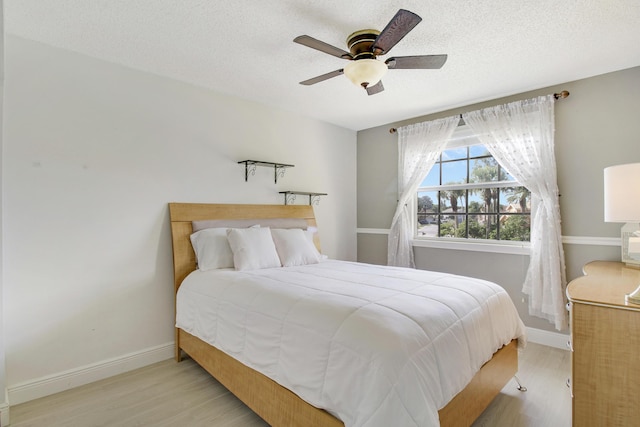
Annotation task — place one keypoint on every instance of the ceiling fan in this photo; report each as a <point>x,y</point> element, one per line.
<point>365,46</point>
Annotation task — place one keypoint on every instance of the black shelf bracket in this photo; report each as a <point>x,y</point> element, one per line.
<point>250,168</point>
<point>290,196</point>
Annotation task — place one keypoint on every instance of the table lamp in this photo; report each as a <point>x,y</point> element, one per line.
<point>622,204</point>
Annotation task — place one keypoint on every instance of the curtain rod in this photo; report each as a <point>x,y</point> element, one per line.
<point>563,94</point>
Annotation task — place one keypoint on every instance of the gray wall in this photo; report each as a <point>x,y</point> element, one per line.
<point>596,127</point>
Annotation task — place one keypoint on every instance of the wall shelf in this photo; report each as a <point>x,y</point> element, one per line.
<point>250,167</point>
<point>290,196</point>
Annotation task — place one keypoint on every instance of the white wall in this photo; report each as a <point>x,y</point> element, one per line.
<point>93,152</point>
<point>4,405</point>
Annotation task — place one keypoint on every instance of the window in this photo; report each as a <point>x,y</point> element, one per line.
<point>468,195</point>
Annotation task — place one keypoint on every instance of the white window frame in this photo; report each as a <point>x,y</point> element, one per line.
<point>463,136</point>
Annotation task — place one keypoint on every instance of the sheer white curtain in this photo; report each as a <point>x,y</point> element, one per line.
<point>519,135</point>
<point>418,148</point>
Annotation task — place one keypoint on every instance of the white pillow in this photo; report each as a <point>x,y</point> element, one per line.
<point>252,248</point>
<point>294,247</point>
<point>309,233</point>
<point>212,249</point>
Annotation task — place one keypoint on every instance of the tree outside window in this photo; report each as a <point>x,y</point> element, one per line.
<point>468,195</point>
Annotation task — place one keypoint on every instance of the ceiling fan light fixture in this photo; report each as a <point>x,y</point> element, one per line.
<point>365,72</point>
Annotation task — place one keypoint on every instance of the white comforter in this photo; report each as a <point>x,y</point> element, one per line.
<point>374,345</point>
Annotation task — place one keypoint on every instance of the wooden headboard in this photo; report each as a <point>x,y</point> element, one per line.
<point>182,214</point>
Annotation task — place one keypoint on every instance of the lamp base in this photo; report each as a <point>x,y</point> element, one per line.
<point>633,297</point>
<point>628,234</point>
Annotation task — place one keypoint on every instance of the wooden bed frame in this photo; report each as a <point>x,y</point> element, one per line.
<point>277,405</point>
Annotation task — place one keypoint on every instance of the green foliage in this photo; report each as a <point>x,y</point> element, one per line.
<point>425,204</point>
<point>487,217</point>
<point>475,207</point>
<point>485,170</point>
<point>477,230</point>
<point>461,231</point>
<point>453,197</point>
<point>448,229</point>
<point>515,227</point>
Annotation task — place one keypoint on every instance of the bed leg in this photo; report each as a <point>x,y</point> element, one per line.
<point>177,353</point>
<point>520,386</point>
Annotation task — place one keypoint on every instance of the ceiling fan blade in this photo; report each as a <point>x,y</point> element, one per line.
<point>425,62</point>
<point>322,77</point>
<point>322,46</point>
<point>376,88</point>
<point>399,26</point>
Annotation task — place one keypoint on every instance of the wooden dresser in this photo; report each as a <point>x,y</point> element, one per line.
<point>605,343</point>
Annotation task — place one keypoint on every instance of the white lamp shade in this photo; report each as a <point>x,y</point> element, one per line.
<point>368,71</point>
<point>622,193</point>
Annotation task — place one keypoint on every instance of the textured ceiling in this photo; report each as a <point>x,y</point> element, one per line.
<point>245,48</point>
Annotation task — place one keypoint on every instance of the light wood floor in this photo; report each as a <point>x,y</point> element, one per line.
<point>182,394</point>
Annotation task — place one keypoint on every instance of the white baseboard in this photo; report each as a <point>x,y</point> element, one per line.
<point>46,386</point>
<point>4,413</point>
<point>551,339</point>
<point>55,383</point>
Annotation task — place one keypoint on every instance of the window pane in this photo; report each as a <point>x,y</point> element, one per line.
<point>461,227</point>
<point>433,177</point>
<point>477,151</point>
<point>454,172</point>
<point>447,226</point>
<point>443,202</point>
<point>428,230</point>
<point>483,170</point>
<point>515,227</point>
<point>515,200</point>
<point>475,202</point>
<point>478,227</point>
<point>455,153</point>
<point>507,204</point>
<point>505,176</point>
<point>427,202</point>
<point>492,227</point>
<point>427,217</point>
<point>486,198</point>
<point>472,213</point>
<point>454,200</point>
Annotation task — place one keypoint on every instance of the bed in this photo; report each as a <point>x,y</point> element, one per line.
<point>275,403</point>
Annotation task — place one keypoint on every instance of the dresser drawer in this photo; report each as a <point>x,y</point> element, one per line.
<point>605,346</point>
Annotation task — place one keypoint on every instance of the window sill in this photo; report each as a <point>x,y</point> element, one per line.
<point>567,240</point>
<point>513,248</point>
